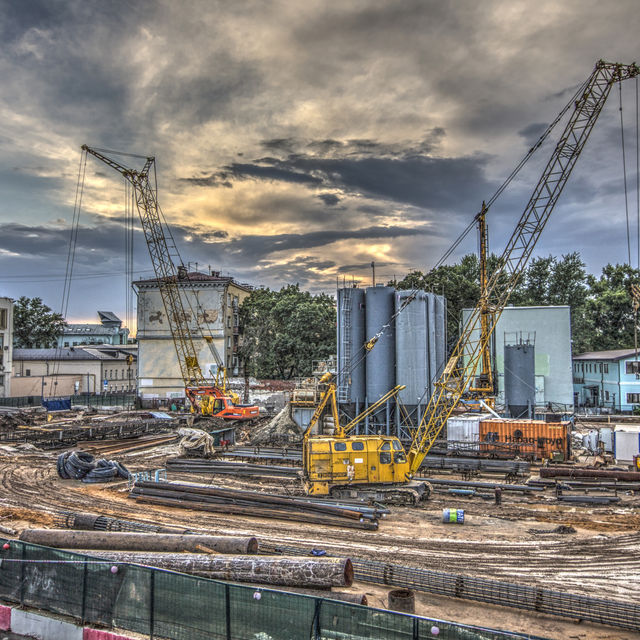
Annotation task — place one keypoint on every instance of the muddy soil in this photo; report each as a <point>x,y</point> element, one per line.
<point>511,542</point>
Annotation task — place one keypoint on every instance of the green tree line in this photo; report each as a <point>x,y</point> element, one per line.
<point>602,315</point>
<point>285,331</point>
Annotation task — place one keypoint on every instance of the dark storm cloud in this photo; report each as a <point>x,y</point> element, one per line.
<point>532,132</point>
<point>243,171</point>
<point>103,241</point>
<point>404,175</point>
<point>330,199</point>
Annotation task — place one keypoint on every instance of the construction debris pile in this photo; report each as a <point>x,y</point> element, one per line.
<point>70,427</point>
<point>281,430</point>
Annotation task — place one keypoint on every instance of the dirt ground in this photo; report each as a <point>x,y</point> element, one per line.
<point>511,542</point>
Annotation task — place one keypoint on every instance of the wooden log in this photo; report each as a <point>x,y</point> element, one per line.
<point>275,570</point>
<point>133,541</point>
<point>578,472</point>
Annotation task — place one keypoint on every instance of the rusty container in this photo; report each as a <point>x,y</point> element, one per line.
<point>532,439</point>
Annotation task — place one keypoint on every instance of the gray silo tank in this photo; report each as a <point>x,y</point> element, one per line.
<point>380,361</point>
<point>411,348</point>
<point>520,379</point>
<point>441,333</point>
<point>351,338</point>
<point>431,342</point>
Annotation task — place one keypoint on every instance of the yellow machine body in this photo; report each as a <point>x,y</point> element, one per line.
<point>331,461</point>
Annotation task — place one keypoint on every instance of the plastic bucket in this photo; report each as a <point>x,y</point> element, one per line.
<point>455,516</point>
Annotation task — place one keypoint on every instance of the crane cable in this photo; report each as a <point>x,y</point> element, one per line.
<point>71,253</point>
<point>624,176</point>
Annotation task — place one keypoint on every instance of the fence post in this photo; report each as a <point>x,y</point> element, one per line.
<point>152,603</point>
<point>316,619</point>
<point>84,591</point>
<point>22,569</point>
<point>227,606</point>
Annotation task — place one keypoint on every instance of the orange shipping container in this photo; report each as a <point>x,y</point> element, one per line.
<point>535,439</point>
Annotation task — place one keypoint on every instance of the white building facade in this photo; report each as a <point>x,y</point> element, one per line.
<point>549,329</point>
<point>211,307</point>
<point>6,346</point>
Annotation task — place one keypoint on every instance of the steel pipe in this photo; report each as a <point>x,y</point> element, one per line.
<point>571,472</point>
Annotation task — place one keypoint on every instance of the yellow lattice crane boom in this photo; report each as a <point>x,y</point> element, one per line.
<point>210,399</point>
<point>464,361</point>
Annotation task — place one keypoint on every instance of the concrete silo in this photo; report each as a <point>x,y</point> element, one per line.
<point>412,358</point>
<point>520,378</point>
<point>381,360</point>
<point>351,339</point>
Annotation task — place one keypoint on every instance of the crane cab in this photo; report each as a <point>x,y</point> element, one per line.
<point>332,461</point>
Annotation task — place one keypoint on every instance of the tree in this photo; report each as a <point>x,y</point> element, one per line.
<point>35,324</point>
<point>284,331</point>
<point>546,281</point>
<point>609,307</point>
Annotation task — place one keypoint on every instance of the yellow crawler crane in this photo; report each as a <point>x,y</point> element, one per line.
<point>341,464</point>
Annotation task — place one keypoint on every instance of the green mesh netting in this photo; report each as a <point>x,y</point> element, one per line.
<point>162,604</point>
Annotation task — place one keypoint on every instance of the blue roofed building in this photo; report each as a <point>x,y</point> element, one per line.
<point>607,379</point>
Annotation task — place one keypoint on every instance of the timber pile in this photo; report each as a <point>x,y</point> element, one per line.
<point>253,504</point>
<point>283,571</point>
<point>128,541</point>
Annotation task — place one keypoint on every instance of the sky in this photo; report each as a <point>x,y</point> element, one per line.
<point>297,142</point>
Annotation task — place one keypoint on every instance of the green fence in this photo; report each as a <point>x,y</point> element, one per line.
<point>23,401</point>
<point>164,604</point>
<point>127,400</point>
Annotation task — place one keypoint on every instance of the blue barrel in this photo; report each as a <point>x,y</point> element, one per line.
<point>453,515</point>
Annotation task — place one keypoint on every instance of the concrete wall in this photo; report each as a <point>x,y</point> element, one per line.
<point>553,368</point>
<point>6,346</point>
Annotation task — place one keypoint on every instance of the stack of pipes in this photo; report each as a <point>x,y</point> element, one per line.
<point>255,504</point>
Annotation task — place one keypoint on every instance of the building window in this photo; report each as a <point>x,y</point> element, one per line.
<point>606,395</point>
<point>600,367</point>
<point>3,318</point>
<point>1,380</point>
<point>27,372</point>
<point>633,398</point>
<point>632,366</point>
<point>606,367</point>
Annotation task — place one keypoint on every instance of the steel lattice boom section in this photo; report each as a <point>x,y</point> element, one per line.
<point>463,363</point>
<point>163,266</point>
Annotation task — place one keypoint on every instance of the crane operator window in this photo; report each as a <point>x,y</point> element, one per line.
<point>385,453</point>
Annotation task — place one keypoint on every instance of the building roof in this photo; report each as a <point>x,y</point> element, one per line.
<point>68,353</point>
<point>612,354</point>
<point>108,316</point>
<point>89,330</point>
<point>196,276</point>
